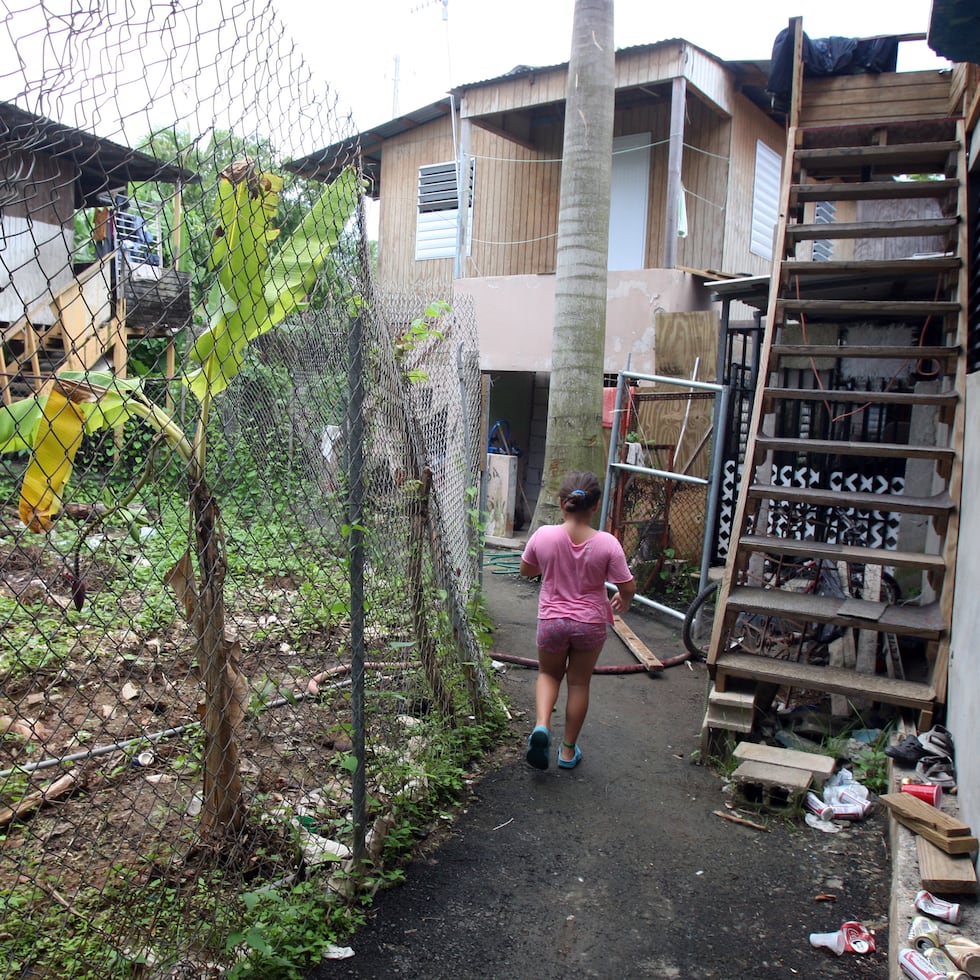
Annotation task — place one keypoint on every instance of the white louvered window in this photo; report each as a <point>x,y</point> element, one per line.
<point>438,211</point>
<point>765,200</point>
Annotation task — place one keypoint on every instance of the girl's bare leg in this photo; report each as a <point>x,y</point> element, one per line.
<point>551,669</point>
<point>578,677</point>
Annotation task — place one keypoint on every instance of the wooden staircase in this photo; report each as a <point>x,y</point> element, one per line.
<point>855,448</point>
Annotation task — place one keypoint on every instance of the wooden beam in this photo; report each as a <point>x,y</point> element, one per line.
<point>636,646</point>
<point>675,159</point>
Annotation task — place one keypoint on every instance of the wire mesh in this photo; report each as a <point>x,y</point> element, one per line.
<point>238,558</point>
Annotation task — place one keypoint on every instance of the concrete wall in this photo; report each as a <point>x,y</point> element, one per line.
<point>515,317</point>
<point>964,664</point>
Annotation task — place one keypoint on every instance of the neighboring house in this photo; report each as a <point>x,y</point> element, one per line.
<point>696,171</point>
<point>56,312</point>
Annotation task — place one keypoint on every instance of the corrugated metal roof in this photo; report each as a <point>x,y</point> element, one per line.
<point>325,164</point>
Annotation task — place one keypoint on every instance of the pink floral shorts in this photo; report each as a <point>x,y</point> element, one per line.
<point>569,635</point>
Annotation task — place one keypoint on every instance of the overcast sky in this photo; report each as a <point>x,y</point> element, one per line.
<point>354,45</point>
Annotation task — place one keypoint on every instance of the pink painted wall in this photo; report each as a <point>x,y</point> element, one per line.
<point>515,317</point>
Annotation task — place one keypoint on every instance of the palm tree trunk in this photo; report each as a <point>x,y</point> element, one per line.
<point>574,433</point>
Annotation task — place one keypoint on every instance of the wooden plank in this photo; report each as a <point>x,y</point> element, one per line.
<point>636,646</point>
<point>943,873</point>
<point>773,544</point>
<point>911,227</point>
<point>940,399</point>
<point>872,189</point>
<point>937,504</point>
<point>833,447</point>
<point>868,308</point>
<point>900,268</point>
<point>885,352</point>
<point>819,766</point>
<point>905,806</point>
<point>787,673</point>
<point>903,620</point>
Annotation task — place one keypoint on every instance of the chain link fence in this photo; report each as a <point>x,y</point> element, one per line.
<point>239,547</point>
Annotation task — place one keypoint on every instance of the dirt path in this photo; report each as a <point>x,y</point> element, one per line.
<point>619,869</point>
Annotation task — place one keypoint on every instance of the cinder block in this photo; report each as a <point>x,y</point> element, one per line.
<point>776,787</point>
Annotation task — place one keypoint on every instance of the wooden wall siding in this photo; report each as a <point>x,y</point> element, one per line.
<point>704,175</point>
<point>515,218</point>
<point>633,68</point>
<point>37,238</point>
<point>849,99</point>
<point>515,214</point>
<point>749,124</point>
<point>400,164</point>
<point>48,194</point>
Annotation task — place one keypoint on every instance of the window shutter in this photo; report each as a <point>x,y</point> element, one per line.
<point>438,211</point>
<point>765,199</point>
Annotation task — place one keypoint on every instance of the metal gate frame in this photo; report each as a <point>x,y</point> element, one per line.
<point>615,467</point>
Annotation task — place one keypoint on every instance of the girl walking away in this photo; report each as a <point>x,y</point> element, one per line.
<point>574,562</point>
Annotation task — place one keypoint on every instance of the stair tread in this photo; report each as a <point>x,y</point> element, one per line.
<point>939,503</point>
<point>834,680</point>
<point>832,159</point>
<point>874,397</point>
<point>903,620</point>
<point>872,190</point>
<point>884,351</point>
<point>868,307</point>
<point>870,449</point>
<point>774,545</point>
<point>908,227</point>
<point>871,267</point>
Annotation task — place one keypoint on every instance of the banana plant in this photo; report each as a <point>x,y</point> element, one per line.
<point>255,287</point>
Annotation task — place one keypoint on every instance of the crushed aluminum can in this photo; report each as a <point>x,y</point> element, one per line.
<point>938,908</point>
<point>144,759</point>
<point>816,805</point>
<point>916,966</point>
<point>923,934</point>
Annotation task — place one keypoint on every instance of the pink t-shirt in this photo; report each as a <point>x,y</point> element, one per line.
<point>573,576</point>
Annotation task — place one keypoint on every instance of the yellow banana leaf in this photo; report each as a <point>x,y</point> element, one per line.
<point>255,292</point>
<point>59,434</point>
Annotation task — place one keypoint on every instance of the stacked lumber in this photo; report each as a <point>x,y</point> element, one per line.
<point>940,829</point>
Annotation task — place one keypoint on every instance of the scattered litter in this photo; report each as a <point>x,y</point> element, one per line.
<point>915,965</point>
<point>500,826</point>
<point>825,897</point>
<point>827,826</point>
<point>844,798</point>
<point>852,937</point>
<point>338,952</point>
<point>936,907</point>
<point>739,820</point>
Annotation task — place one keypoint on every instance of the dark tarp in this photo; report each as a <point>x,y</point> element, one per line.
<point>827,56</point>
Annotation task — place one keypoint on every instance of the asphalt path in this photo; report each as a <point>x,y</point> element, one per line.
<point>620,868</point>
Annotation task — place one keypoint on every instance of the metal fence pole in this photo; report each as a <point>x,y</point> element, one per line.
<point>355,506</point>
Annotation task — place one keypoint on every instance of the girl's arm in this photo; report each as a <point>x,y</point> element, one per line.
<point>624,595</point>
<point>529,570</point>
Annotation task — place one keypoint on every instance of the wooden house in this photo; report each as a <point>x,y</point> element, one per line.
<point>57,312</point>
<point>696,165</point>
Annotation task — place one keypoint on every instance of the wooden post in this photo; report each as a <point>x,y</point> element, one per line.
<point>675,158</point>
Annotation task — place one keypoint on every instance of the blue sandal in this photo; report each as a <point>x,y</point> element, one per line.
<point>575,759</point>
<point>538,744</point>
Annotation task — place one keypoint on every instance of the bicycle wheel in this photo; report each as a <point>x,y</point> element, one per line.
<point>699,620</point>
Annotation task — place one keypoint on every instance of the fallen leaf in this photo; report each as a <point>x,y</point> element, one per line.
<point>129,691</point>
<point>825,897</point>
